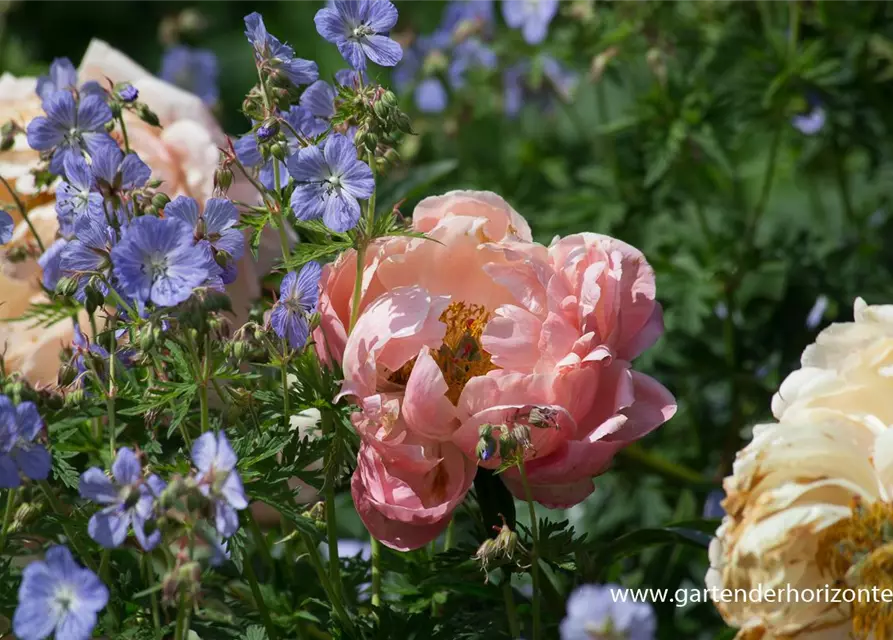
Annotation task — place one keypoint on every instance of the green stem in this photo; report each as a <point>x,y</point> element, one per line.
<point>450,535</point>
<point>259,539</point>
<point>376,572</point>
<point>58,509</point>
<point>203,387</point>
<point>316,561</point>
<point>331,518</point>
<point>24,212</point>
<point>124,133</point>
<point>534,559</point>
<point>510,611</point>
<point>765,191</point>
<point>8,512</point>
<point>153,597</point>
<point>110,397</point>
<point>358,283</point>
<point>182,616</point>
<point>283,369</point>
<point>259,599</point>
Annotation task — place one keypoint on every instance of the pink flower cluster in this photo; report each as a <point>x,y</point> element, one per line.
<point>482,326</point>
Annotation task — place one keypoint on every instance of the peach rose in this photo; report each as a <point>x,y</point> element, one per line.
<point>183,153</point>
<point>484,326</point>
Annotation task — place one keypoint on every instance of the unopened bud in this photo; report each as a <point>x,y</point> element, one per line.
<point>370,141</point>
<point>110,126</point>
<point>66,286</point>
<point>160,200</point>
<point>147,115</point>
<point>381,109</point>
<point>241,349</point>
<point>403,123</point>
<point>267,130</point>
<point>223,179</point>
<point>251,107</point>
<point>128,93</point>
<point>485,449</point>
<point>279,151</point>
<point>94,297</point>
<point>67,374</point>
<point>24,515</point>
<point>147,338</point>
<point>389,98</point>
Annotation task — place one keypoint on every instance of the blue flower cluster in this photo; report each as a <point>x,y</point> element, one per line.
<point>6,227</point>
<point>443,59</point>
<point>19,454</point>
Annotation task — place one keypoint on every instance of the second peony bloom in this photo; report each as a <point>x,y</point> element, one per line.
<point>481,325</point>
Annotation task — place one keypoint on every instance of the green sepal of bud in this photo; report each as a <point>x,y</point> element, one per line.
<point>389,98</point>
<point>147,115</point>
<point>116,108</point>
<point>67,374</point>
<point>147,338</point>
<point>223,178</point>
<point>66,286</point>
<point>160,200</point>
<point>279,150</point>
<point>110,126</point>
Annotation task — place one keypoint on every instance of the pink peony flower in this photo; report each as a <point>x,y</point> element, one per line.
<point>484,326</point>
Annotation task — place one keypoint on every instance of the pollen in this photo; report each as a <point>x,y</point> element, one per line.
<point>461,357</point>
<point>858,552</point>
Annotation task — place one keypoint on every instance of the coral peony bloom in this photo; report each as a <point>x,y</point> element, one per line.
<point>484,326</point>
<point>804,510</point>
<point>183,153</point>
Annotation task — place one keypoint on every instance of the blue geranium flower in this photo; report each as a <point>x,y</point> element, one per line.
<point>19,425</point>
<point>51,263</point>
<point>64,77</point>
<point>77,195</point>
<point>129,500</point>
<point>218,479</point>
<point>6,227</point>
<point>89,254</point>
<point>302,121</point>
<point>116,171</point>
<point>359,29</point>
<point>214,225</point>
<point>330,181</point>
<point>195,70</point>
<point>278,56</point>
<point>58,595</point>
<point>156,261</point>
<point>70,128</point>
<point>298,297</point>
<point>532,17</point>
<point>522,85</point>
<point>594,611</point>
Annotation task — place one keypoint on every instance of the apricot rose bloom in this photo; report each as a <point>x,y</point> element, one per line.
<point>183,153</point>
<point>810,499</point>
<point>481,325</point>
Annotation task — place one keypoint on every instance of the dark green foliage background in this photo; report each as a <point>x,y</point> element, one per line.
<point>745,220</point>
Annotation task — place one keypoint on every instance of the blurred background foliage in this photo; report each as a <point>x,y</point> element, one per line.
<point>746,148</point>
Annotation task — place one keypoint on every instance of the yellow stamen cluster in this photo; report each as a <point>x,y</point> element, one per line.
<point>858,552</point>
<point>461,356</point>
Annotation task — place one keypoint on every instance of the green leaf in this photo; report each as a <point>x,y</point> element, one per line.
<point>304,252</point>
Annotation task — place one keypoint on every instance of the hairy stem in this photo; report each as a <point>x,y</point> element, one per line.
<point>510,612</point>
<point>316,561</point>
<point>259,598</point>
<point>534,558</point>
<point>8,512</point>
<point>376,573</point>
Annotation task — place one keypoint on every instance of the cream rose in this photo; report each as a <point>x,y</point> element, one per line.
<point>810,499</point>
<point>183,153</point>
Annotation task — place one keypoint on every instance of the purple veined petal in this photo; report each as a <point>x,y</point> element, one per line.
<point>430,96</point>
<point>126,468</point>
<point>349,77</point>
<point>382,50</point>
<point>28,419</point>
<point>342,212</point>
<point>340,154</point>
<point>300,71</point>
<point>308,165</point>
<point>353,12</point>
<point>358,180</point>
<point>9,472</point>
<point>95,486</point>
<point>381,15</point>
<point>33,619</point>
<point>134,172</point>
<point>319,98</point>
<point>230,273</point>
<point>225,459</point>
<point>287,287</point>
<point>226,520</point>
<point>204,452</point>
<point>308,201</point>
<point>62,109</point>
<point>93,113</point>
<point>156,485</point>
<point>33,460</point>
<point>255,30</point>
<point>62,77</point>
<point>233,491</point>
<point>44,134</point>
<point>109,526</point>
<point>105,162</point>
<point>247,151</point>
<point>352,51</point>
<point>61,562</point>
<point>220,214</point>
<point>51,263</point>
<point>232,241</point>
<point>76,624</point>
<point>92,88</point>
<point>98,142</point>
<point>139,530</point>
<point>177,285</point>
<point>92,593</point>
<point>67,148</point>
<point>7,226</point>
<point>183,208</point>
<point>306,289</point>
<point>78,174</point>
<point>330,25</point>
